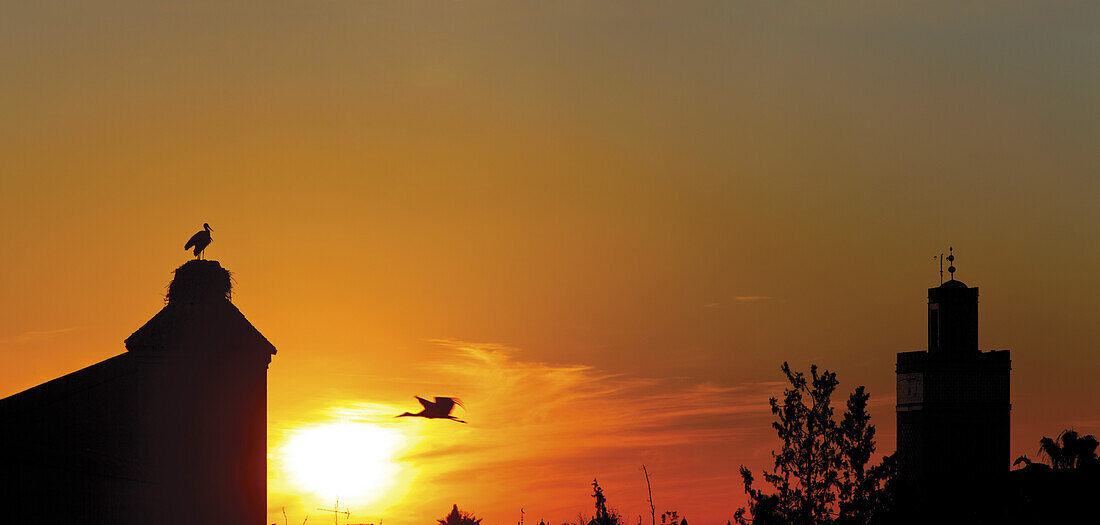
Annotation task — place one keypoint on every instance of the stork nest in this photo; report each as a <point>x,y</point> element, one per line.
<point>200,280</point>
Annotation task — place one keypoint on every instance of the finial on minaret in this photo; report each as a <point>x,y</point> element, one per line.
<point>951,260</point>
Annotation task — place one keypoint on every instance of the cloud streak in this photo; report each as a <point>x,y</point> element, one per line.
<point>751,298</point>
<point>39,335</point>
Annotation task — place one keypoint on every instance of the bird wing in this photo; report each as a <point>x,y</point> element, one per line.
<point>448,403</point>
<point>424,402</point>
<point>194,240</point>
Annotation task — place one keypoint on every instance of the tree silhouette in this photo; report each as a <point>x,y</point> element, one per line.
<point>1069,451</point>
<point>865,493</point>
<point>457,517</point>
<point>603,516</point>
<point>821,473</point>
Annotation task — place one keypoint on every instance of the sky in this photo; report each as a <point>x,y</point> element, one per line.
<point>603,225</point>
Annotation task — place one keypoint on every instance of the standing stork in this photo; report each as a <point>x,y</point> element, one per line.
<point>200,240</point>
<point>440,409</point>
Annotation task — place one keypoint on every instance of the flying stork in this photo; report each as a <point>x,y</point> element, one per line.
<point>200,240</point>
<point>439,409</point>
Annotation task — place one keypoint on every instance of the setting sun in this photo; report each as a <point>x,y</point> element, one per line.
<point>353,461</point>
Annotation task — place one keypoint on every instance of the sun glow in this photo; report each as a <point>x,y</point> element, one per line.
<point>353,461</point>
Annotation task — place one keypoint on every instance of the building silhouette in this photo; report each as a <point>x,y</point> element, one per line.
<point>172,431</point>
<point>952,407</point>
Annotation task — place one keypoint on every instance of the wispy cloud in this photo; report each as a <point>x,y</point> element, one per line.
<point>525,393</point>
<point>751,298</point>
<point>38,335</point>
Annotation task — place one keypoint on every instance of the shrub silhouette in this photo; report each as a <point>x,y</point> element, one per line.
<point>457,517</point>
<point>603,516</point>
<point>671,517</point>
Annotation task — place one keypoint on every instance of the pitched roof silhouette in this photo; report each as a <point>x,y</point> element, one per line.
<point>182,411</point>
<point>205,284</point>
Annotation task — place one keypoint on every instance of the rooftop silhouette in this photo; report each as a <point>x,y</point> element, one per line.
<point>172,431</point>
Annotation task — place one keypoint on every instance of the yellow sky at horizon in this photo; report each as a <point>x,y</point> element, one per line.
<point>565,192</point>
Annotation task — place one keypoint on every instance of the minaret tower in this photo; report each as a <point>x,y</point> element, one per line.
<point>952,402</point>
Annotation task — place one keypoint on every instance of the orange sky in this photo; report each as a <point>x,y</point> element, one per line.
<point>604,225</point>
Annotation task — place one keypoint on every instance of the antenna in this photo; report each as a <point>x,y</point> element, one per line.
<point>940,257</point>
<point>336,512</point>
<point>951,261</point>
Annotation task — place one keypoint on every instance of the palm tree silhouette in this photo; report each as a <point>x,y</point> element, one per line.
<point>1069,451</point>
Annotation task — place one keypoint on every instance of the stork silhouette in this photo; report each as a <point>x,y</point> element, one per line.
<point>439,409</point>
<point>200,240</point>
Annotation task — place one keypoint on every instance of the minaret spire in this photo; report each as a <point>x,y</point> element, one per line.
<point>951,260</point>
